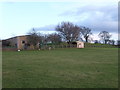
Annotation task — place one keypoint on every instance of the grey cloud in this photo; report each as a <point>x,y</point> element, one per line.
<point>97,18</point>
<point>46,28</point>
<point>108,11</point>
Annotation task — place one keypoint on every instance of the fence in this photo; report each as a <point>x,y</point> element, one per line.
<point>100,45</point>
<point>48,47</point>
<point>58,46</point>
<point>87,45</point>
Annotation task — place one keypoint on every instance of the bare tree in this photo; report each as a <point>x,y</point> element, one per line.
<point>54,38</point>
<point>68,31</point>
<point>112,42</point>
<point>33,38</point>
<point>96,41</point>
<point>86,32</point>
<point>105,36</point>
<point>45,39</point>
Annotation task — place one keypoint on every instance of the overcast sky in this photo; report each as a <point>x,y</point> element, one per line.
<point>17,18</point>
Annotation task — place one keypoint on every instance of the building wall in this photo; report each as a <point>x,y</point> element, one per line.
<point>22,45</point>
<point>80,44</point>
<point>20,40</point>
<point>17,41</point>
<point>13,41</point>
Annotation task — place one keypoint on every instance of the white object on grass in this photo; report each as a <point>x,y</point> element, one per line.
<point>49,48</point>
<point>18,50</point>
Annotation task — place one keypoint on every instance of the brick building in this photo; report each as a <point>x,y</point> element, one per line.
<point>20,42</point>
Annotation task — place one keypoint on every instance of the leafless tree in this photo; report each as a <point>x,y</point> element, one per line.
<point>86,32</point>
<point>45,39</point>
<point>33,38</point>
<point>54,38</point>
<point>68,31</point>
<point>112,42</point>
<point>105,36</point>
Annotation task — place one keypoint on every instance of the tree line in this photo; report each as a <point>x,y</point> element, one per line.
<point>67,32</point>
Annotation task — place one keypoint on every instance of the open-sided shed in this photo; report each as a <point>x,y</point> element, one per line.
<point>80,44</point>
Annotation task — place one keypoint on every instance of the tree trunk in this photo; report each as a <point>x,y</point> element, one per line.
<point>86,38</point>
<point>105,41</point>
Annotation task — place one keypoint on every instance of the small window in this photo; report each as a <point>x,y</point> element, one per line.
<point>23,42</point>
<point>16,45</point>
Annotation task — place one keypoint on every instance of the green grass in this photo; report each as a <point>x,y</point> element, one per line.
<point>61,68</point>
<point>100,45</point>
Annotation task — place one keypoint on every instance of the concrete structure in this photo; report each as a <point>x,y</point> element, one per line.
<point>20,42</point>
<point>80,44</point>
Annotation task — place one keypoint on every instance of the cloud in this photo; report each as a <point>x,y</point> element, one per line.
<point>96,17</point>
<point>46,28</point>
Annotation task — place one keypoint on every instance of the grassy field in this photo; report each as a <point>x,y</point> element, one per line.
<point>61,68</point>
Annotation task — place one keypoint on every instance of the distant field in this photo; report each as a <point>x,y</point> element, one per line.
<point>61,68</point>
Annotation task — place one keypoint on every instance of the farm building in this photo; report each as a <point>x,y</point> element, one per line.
<point>19,42</point>
<point>80,44</point>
